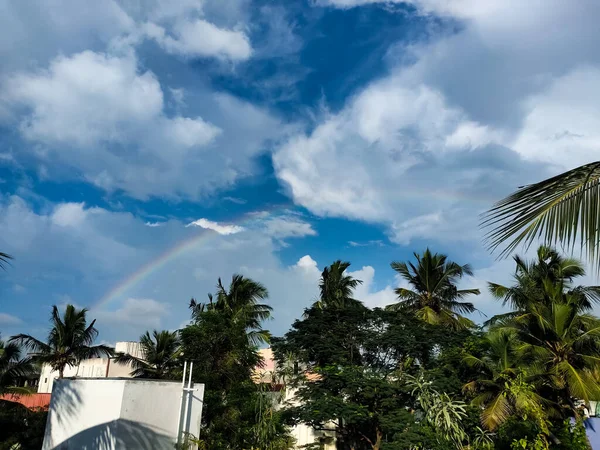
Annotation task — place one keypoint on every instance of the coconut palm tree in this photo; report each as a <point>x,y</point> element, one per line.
<point>160,352</point>
<point>560,209</point>
<point>4,259</point>
<point>336,286</point>
<point>434,296</point>
<point>504,388</point>
<point>69,341</point>
<point>241,302</point>
<point>531,278</point>
<point>563,343</point>
<point>12,366</point>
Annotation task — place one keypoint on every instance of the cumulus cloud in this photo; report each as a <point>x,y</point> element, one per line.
<point>69,214</point>
<point>144,312</point>
<point>105,116</point>
<point>460,120</point>
<point>91,98</point>
<point>368,293</point>
<point>219,228</point>
<point>288,226</point>
<point>199,38</point>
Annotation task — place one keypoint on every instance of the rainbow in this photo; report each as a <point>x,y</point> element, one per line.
<point>182,247</point>
<point>169,255</point>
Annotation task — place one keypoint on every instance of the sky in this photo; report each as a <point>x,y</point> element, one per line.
<point>148,147</point>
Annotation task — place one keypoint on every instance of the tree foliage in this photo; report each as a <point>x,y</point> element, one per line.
<point>69,341</point>
<point>434,296</point>
<point>160,355</point>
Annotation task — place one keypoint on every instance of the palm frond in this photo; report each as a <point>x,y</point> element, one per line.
<point>4,260</point>
<point>561,209</point>
<point>30,343</point>
<point>496,412</point>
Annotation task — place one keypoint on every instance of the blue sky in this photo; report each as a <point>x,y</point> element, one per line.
<point>274,137</point>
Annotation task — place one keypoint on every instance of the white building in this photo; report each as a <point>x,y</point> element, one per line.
<point>303,434</point>
<point>92,368</point>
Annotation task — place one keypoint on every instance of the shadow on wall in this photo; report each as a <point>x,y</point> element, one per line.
<point>592,429</point>
<point>118,434</point>
<point>70,400</point>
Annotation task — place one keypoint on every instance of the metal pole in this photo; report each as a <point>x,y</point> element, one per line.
<point>187,399</point>
<point>181,402</point>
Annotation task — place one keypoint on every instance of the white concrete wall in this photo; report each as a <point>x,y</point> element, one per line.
<point>92,368</point>
<point>89,368</point>
<point>111,414</point>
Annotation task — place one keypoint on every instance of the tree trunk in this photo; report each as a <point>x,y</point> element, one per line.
<point>61,373</point>
<point>378,441</point>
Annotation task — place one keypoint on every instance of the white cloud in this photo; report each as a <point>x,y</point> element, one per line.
<point>391,141</point>
<point>104,117</point>
<point>562,125</point>
<point>92,98</point>
<point>221,229</point>
<point>288,226</point>
<point>459,121</point>
<point>236,200</point>
<point>69,214</point>
<point>144,312</point>
<point>366,291</point>
<point>309,266</point>
<point>199,38</point>
<point>154,224</point>
<point>373,242</point>
<point>9,320</point>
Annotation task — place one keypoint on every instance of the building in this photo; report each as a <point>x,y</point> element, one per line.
<point>92,368</point>
<point>303,434</point>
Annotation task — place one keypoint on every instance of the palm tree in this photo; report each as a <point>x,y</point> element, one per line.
<point>563,343</point>
<point>242,304</point>
<point>434,296</point>
<point>4,259</point>
<point>504,388</point>
<point>12,366</point>
<point>561,209</point>
<point>160,354</point>
<point>531,278</point>
<point>69,341</point>
<point>336,286</point>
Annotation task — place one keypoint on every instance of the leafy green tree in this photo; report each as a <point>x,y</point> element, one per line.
<point>221,341</point>
<point>562,209</point>
<point>69,341</point>
<point>160,355</point>
<point>352,367</point>
<point>21,428</point>
<point>434,296</point>
<point>12,366</point>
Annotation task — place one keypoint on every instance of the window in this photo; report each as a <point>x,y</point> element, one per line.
<point>45,380</point>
